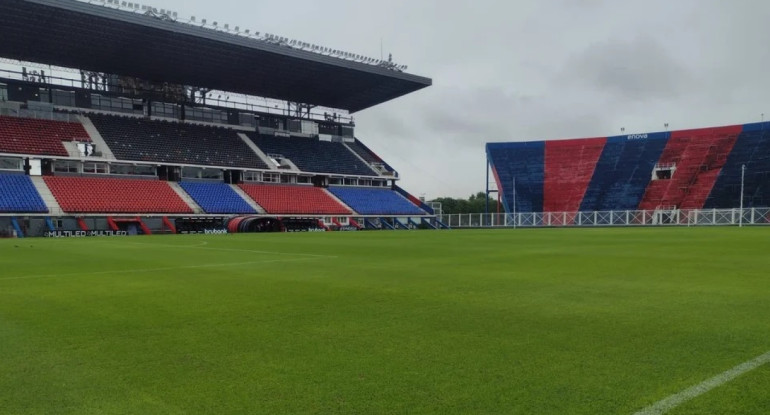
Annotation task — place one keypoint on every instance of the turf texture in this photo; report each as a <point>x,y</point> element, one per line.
<point>548,321</point>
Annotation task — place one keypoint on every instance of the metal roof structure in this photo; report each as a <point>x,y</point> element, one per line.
<point>73,34</point>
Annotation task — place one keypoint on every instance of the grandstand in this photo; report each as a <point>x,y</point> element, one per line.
<point>144,136</point>
<point>678,171</point>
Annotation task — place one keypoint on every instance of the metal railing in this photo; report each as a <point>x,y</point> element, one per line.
<point>70,79</point>
<point>660,217</point>
<point>46,115</point>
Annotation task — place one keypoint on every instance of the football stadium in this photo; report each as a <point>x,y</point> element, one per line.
<point>194,226</point>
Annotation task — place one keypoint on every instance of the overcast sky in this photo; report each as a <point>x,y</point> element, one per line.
<point>510,70</point>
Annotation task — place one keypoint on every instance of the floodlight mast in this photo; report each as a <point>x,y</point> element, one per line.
<point>300,110</point>
<point>514,202</point>
<point>743,176</point>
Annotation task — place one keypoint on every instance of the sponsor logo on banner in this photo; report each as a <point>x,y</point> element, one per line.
<point>83,234</point>
<point>215,231</point>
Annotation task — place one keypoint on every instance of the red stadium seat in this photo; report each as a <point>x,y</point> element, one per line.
<point>38,137</point>
<point>115,195</point>
<point>698,156</point>
<point>296,200</point>
<point>569,165</point>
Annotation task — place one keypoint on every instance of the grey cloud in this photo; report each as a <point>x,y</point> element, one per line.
<point>477,116</point>
<point>640,69</point>
<point>472,115</point>
<point>387,123</point>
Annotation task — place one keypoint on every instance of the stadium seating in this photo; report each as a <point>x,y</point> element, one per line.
<point>623,172</point>
<point>38,137</point>
<point>375,201</point>
<point>698,156</point>
<point>366,154</point>
<point>19,195</point>
<point>140,139</point>
<point>752,149</point>
<point>569,165</point>
<point>216,197</point>
<point>300,200</point>
<point>115,195</point>
<point>314,155</point>
<point>524,163</point>
<point>688,169</point>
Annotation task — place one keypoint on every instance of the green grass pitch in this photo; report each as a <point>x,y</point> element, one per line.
<point>550,321</point>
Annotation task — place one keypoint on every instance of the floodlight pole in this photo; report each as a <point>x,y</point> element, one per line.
<point>486,202</point>
<point>514,202</point>
<point>743,175</point>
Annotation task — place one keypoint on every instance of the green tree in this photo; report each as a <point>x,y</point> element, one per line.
<point>474,204</point>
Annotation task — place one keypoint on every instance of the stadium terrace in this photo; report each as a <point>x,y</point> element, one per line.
<point>708,176</point>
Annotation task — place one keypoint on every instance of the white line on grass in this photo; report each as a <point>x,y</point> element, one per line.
<point>140,270</point>
<point>661,407</point>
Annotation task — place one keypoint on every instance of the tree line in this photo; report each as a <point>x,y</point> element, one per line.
<point>474,204</point>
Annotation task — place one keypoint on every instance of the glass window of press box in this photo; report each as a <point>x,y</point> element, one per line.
<point>252,176</point>
<point>202,173</point>
<point>11,164</point>
<point>124,105</point>
<point>66,166</point>
<point>206,115</point>
<point>165,110</point>
<point>131,170</point>
<point>271,177</point>
<point>95,168</point>
<point>58,97</point>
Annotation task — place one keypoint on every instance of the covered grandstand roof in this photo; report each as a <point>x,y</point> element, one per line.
<point>78,35</point>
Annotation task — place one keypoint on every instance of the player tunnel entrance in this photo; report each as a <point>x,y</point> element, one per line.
<point>254,224</point>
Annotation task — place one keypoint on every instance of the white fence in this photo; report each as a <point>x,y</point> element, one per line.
<point>674,217</point>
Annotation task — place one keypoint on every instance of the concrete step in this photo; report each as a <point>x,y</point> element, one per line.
<point>362,159</point>
<point>45,193</point>
<point>99,144</point>
<point>247,199</point>
<point>187,198</point>
<point>72,149</point>
<point>331,195</point>
<point>262,156</point>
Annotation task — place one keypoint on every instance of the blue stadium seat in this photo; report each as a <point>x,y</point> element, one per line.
<point>216,197</point>
<point>140,139</point>
<point>752,149</point>
<point>314,155</point>
<point>19,195</point>
<point>366,154</point>
<point>375,201</point>
<point>524,162</point>
<point>623,172</point>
